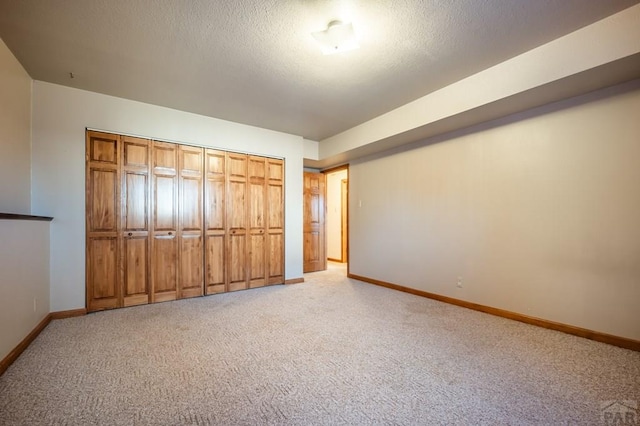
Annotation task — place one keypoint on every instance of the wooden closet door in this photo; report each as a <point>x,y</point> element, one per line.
<point>236,222</point>
<point>136,156</point>
<point>190,229</point>
<point>275,221</point>
<point>257,221</point>
<point>215,223</point>
<point>164,224</point>
<point>103,278</point>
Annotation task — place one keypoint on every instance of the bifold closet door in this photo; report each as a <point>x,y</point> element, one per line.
<point>215,221</point>
<point>135,248</point>
<point>164,222</point>
<point>275,221</point>
<point>258,256</point>
<point>236,222</point>
<point>190,229</point>
<point>103,290</point>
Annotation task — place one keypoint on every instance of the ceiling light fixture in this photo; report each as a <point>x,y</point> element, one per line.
<point>338,37</point>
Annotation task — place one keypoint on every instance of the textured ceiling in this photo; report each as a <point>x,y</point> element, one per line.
<point>255,61</point>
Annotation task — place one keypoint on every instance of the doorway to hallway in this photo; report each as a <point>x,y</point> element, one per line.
<point>337,218</point>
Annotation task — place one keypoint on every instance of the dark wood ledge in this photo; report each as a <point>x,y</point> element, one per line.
<point>12,216</point>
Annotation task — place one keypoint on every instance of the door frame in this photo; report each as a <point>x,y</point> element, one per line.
<point>344,220</point>
<point>333,170</point>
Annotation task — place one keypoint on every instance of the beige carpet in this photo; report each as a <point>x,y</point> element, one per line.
<point>330,351</point>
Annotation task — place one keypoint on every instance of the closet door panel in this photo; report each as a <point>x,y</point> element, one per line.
<point>103,277</point>
<point>215,163</point>
<point>164,239</point>
<point>215,264</point>
<point>191,226</point>
<point>257,259</point>
<point>237,262</point>
<point>103,148</point>
<point>257,167</point>
<point>276,258</point>
<point>135,220</point>
<point>103,267</point>
<point>275,221</point>
<point>257,267</point>
<point>276,171</point>
<point>215,221</point>
<point>236,218</point>
<point>237,166</point>
<point>136,273</point>
<point>165,267</point>
<point>135,201</point>
<point>136,152</point>
<point>276,207</point>
<point>104,212</point>
<point>237,209</point>
<point>257,207</point>
<point>165,215</point>
<point>164,157</point>
<point>135,265</point>
<point>191,204</point>
<point>191,278</point>
<point>215,205</point>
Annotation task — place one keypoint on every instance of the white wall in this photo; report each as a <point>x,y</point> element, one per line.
<point>310,149</point>
<point>334,214</point>
<point>24,266</point>
<point>60,115</point>
<point>15,135</point>
<point>24,245</point>
<point>539,213</point>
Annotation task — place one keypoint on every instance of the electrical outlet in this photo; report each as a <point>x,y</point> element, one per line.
<point>459,282</point>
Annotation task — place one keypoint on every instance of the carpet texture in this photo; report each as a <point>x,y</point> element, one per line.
<point>329,351</point>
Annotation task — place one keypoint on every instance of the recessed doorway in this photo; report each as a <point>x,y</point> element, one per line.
<point>337,218</point>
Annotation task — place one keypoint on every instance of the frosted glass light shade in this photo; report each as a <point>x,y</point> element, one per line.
<point>338,37</point>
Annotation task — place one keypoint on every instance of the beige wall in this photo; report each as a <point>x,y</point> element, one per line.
<point>24,245</point>
<point>15,135</point>
<point>334,214</point>
<point>539,213</point>
<point>24,280</point>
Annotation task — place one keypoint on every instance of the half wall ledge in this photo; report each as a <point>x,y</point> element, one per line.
<point>13,216</point>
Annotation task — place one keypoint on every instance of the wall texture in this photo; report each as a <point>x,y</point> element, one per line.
<point>15,135</point>
<point>24,245</point>
<point>24,281</point>
<point>538,213</point>
<point>59,120</point>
